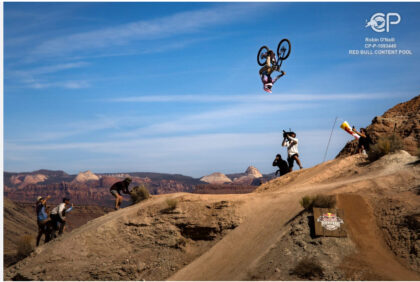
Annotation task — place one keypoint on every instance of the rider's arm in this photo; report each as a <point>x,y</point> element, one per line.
<point>69,209</point>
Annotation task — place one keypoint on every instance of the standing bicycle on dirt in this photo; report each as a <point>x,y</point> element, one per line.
<point>271,64</point>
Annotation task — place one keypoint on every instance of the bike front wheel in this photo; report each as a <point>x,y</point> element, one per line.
<point>283,49</point>
<point>262,61</point>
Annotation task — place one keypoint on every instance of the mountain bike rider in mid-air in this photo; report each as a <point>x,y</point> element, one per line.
<point>267,69</point>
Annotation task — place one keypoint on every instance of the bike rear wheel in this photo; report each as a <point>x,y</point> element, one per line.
<point>262,61</point>
<point>283,49</point>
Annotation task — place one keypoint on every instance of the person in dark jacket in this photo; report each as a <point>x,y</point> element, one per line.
<point>116,189</point>
<point>281,164</point>
<point>364,140</point>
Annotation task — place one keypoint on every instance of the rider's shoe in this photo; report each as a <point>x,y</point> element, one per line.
<point>267,90</point>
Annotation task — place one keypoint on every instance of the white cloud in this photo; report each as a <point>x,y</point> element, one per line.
<point>28,74</point>
<point>250,98</point>
<point>63,84</point>
<point>35,78</point>
<point>180,23</point>
<point>215,119</point>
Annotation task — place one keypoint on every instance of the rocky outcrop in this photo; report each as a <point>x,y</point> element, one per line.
<point>86,176</point>
<point>249,178</point>
<point>23,180</point>
<point>403,120</point>
<point>216,178</point>
<point>253,171</point>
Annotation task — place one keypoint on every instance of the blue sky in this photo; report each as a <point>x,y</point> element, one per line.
<point>174,87</point>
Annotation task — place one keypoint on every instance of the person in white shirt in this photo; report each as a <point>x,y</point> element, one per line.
<point>58,216</point>
<point>291,142</point>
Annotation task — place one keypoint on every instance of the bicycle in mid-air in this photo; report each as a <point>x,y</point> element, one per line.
<point>283,52</point>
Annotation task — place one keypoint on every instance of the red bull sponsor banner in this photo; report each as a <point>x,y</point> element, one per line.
<point>330,221</point>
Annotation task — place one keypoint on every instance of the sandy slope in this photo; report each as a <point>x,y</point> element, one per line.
<point>236,253</point>
<point>142,242</point>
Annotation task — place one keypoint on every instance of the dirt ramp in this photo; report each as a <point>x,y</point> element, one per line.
<point>373,257</point>
<point>239,251</point>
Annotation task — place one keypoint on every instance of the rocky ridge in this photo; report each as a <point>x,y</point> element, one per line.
<point>403,120</point>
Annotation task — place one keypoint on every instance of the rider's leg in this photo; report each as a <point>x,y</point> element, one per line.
<point>277,77</point>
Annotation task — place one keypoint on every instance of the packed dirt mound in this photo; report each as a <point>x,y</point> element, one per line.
<point>146,241</point>
<point>403,120</point>
<point>240,237</point>
<point>345,168</point>
<point>298,244</point>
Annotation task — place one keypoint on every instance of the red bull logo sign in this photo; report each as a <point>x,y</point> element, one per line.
<point>330,221</point>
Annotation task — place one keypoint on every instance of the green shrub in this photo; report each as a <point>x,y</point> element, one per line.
<point>319,201</point>
<point>384,146</point>
<point>308,268</point>
<point>138,194</point>
<point>24,246</point>
<point>324,201</point>
<point>306,202</point>
<point>172,204</point>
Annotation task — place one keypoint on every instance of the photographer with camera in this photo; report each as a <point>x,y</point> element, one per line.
<point>281,164</point>
<point>291,142</point>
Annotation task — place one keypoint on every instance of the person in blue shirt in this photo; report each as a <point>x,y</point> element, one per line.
<point>42,218</point>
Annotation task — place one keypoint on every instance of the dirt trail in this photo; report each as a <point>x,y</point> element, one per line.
<point>230,258</point>
<point>373,251</point>
<point>242,248</point>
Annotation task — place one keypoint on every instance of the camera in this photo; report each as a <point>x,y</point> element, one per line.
<point>286,134</point>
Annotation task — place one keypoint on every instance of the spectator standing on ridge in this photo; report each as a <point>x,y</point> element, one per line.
<point>42,218</point>
<point>364,141</point>
<point>116,189</point>
<point>281,164</point>
<point>58,216</point>
<point>291,142</point>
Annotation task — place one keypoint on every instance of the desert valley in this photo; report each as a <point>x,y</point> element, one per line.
<point>244,226</point>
